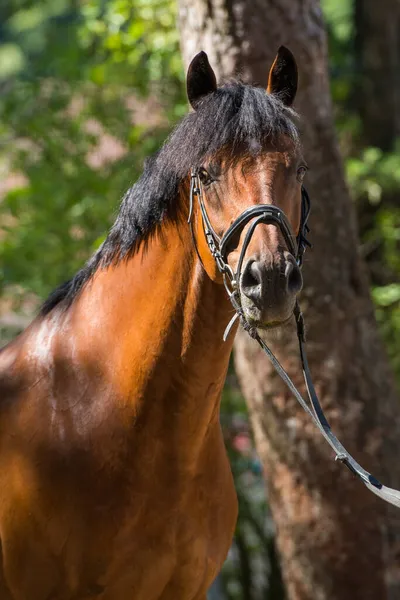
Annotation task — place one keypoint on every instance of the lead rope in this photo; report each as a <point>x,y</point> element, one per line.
<point>317,415</point>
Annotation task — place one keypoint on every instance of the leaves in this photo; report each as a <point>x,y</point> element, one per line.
<point>73,128</point>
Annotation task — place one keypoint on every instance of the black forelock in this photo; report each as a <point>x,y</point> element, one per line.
<point>236,119</point>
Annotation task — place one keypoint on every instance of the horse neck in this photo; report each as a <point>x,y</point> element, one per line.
<point>155,323</point>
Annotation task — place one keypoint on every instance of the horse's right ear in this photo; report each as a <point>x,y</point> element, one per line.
<point>200,79</point>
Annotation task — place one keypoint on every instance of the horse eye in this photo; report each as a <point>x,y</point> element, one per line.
<point>205,176</point>
<point>301,171</point>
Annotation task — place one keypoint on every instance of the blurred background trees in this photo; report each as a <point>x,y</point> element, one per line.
<point>89,88</point>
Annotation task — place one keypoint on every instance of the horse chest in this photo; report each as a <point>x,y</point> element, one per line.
<point>182,532</point>
<point>114,536</point>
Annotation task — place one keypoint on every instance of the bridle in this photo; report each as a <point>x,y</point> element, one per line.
<point>219,248</point>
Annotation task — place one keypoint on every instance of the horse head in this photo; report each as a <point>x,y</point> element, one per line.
<point>249,219</point>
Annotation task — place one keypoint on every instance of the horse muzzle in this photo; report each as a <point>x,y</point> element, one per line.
<point>268,289</point>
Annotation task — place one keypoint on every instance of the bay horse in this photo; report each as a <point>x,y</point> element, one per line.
<point>114,479</point>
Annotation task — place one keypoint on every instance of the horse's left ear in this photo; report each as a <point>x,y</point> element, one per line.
<point>200,79</point>
<point>282,79</point>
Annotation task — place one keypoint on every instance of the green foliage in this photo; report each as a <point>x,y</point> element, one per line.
<point>373,177</point>
<point>72,122</point>
<point>387,300</point>
<point>374,174</point>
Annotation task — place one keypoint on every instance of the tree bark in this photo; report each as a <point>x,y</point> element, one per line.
<point>377,53</point>
<point>337,541</point>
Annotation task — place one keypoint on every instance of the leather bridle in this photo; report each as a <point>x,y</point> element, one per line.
<point>219,248</point>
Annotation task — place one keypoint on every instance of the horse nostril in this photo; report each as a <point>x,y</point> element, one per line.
<point>264,285</point>
<point>294,279</point>
<point>252,280</point>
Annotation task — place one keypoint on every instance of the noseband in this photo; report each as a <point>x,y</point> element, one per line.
<point>219,248</point>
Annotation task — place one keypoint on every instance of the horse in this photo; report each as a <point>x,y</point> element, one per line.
<point>114,478</point>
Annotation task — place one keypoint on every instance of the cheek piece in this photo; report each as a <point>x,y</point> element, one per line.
<point>218,246</point>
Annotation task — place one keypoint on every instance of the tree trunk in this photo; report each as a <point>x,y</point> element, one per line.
<point>377,52</point>
<point>337,541</point>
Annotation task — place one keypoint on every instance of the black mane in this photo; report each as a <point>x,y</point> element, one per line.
<point>237,117</point>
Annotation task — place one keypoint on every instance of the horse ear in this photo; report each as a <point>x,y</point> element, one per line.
<point>200,79</point>
<point>282,79</point>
